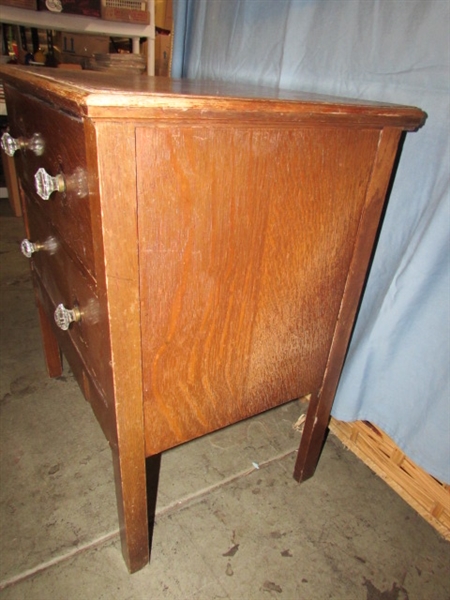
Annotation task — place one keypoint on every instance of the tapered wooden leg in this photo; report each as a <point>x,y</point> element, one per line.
<point>131,494</point>
<point>313,438</point>
<point>320,405</point>
<point>153,465</point>
<point>52,352</point>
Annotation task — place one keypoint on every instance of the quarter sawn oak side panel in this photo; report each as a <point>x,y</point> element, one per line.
<point>246,236</point>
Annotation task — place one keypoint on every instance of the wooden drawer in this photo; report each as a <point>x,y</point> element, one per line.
<point>100,403</point>
<point>67,284</point>
<point>68,211</point>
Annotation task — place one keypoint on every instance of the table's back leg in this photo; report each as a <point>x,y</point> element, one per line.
<point>321,403</point>
<point>52,352</point>
<point>313,438</point>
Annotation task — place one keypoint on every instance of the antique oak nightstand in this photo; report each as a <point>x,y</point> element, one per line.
<point>198,251</point>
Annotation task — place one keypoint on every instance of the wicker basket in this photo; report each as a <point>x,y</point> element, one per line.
<point>128,11</point>
<point>429,497</point>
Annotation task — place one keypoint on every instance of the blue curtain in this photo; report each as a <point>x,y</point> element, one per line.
<point>397,371</point>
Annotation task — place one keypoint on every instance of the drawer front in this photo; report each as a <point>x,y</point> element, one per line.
<point>65,283</point>
<point>64,154</point>
<point>103,409</point>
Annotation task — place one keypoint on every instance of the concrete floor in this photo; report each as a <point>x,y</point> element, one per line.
<point>225,528</point>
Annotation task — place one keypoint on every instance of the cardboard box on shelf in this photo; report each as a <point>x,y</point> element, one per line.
<point>163,45</point>
<point>30,4</point>
<point>164,14</point>
<point>125,11</point>
<point>89,8</point>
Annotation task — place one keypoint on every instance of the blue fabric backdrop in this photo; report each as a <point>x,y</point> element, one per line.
<point>397,371</point>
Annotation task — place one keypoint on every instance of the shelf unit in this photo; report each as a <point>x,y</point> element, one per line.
<point>87,25</point>
<point>76,24</point>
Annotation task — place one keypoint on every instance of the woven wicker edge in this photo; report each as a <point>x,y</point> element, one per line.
<point>426,495</point>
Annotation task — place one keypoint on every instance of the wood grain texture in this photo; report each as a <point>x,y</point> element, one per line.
<point>117,188</point>
<point>105,95</point>
<point>246,236</point>
<point>320,405</point>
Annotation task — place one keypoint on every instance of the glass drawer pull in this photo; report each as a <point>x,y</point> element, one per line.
<point>10,145</point>
<point>65,316</point>
<point>46,184</point>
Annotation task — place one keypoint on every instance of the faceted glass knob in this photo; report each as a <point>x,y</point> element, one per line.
<point>65,316</point>
<point>46,184</point>
<point>10,145</point>
<point>28,248</point>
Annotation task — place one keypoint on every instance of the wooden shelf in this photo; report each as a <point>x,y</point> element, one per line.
<point>87,25</point>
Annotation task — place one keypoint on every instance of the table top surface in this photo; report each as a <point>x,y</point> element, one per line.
<point>93,90</point>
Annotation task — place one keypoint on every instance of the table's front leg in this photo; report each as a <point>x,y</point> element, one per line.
<point>136,482</point>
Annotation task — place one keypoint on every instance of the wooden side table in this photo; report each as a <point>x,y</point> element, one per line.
<point>198,252</point>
